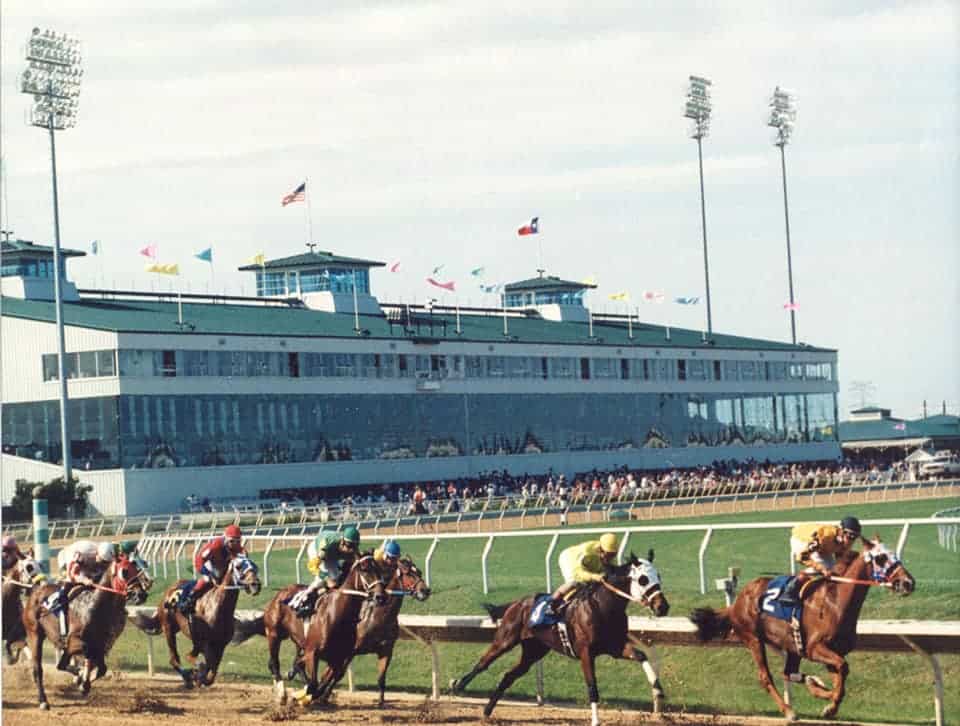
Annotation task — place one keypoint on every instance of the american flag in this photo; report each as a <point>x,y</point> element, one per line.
<point>297,195</point>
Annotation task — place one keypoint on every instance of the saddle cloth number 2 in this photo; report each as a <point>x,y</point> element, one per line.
<point>772,594</point>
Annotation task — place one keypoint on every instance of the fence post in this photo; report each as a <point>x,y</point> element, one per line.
<point>701,556</point>
<point>123,526</point>
<point>483,564</point>
<point>902,542</point>
<point>164,551</point>
<point>146,527</point>
<point>546,560</point>
<point>303,546</point>
<point>100,528</point>
<point>169,524</point>
<point>623,547</point>
<point>429,559</point>
<point>179,555</point>
<point>266,562</point>
<point>150,655</point>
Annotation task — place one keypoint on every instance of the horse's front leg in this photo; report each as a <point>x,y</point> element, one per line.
<point>503,641</point>
<point>839,670</point>
<point>633,653</point>
<point>170,633</point>
<point>590,678</point>
<point>35,643</point>
<point>384,656</point>
<point>273,662</point>
<point>792,674</point>
<point>212,657</point>
<point>532,651</point>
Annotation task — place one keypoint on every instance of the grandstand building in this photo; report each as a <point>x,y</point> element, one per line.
<point>314,382</point>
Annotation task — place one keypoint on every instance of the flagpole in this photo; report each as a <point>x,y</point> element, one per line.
<point>503,303</point>
<point>306,196</point>
<point>457,303</point>
<point>180,304</point>
<point>629,321</point>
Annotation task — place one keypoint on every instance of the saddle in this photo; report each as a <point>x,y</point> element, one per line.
<point>782,601</point>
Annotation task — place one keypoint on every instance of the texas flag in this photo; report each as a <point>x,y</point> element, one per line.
<point>531,227</point>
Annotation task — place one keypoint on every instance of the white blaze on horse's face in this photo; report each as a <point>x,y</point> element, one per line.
<point>883,560</point>
<point>29,569</point>
<point>643,579</point>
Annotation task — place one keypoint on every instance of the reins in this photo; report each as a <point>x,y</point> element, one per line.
<point>852,581</point>
<point>16,582</point>
<point>626,596</point>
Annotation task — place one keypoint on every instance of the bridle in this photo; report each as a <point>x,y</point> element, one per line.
<point>651,588</point>
<point>368,584</point>
<point>407,570</point>
<point>239,567</point>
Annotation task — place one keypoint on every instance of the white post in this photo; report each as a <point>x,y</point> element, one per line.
<point>701,556</point>
<point>150,655</point>
<point>429,559</point>
<point>546,561</point>
<point>902,542</point>
<point>303,547</point>
<point>937,679</point>
<point>623,547</point>
<point>179,555</point>
<point>266,561</point>
<point>483,564</point>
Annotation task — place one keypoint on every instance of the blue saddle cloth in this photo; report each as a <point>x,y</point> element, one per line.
<point>541,615</point>
<point>770,603</point>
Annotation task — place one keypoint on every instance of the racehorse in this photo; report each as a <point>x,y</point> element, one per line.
<point>332,633</point>
<point>828,626</point>
<point>377,630</point>
<point>210,627</point>
<point>595,623</point>
<point>95,617</point>
<point>23,576</point>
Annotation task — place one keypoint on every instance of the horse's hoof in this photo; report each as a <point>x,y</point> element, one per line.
<point>790,715</point>
<point>44,706</point>
<point>455,685</point>
<point>829,712</point>
<point>658,703</point>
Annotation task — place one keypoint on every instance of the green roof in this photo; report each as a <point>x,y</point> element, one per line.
<point>546,283</point>
<point>134,316</point>
<point>314,259</point>
<point>886,429</point>
<point>20,247</point>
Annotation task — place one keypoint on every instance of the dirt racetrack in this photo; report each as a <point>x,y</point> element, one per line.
<point>120,699</point>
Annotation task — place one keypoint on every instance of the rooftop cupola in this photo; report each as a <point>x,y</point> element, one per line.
<point>323,280</point>
<point>549,296</point>
<point>26,271</point>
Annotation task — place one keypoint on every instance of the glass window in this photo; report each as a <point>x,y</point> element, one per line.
<point>696,370</point>
<point>731,370</point>
<point>681,370</point>
<point>496,366</point>
<point>271,283</point>
<point>168,363</point>
<point>50,372</point>
<point>606,368</point>
<point>106,365</point>
<point>563,368</point>
<point>474,366</point>
<point>748,370</point>
<point>70,363</point>
<point>796,371</point>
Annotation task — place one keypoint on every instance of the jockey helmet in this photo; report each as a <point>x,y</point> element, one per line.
<point>351,534</point>
<point>105,552</point>
<point>9,543</point>
<point>851,524</point>
<point>391,549</point>
<point>609,542</point>
<point>128,547</point>
<point>232,536</point>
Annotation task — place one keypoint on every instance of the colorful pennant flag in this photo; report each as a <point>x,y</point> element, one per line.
<point>687,300</point>
<point>297,195</point>
<point>827,430</point>
<point>205,255</point>
<point>791,306</point>
<point>620,296</point>
<point>436,270</point>
<point>395,267</point>
<point>149,251</point>
<point>164,269</point>
<point>478,271</point>
<point>592,280</point>
<point>451,286</point>
<point>258,259</point>
<point>95,247</point>
<point>652,296</point>
<point>491,288</point>
<point>531,227</point>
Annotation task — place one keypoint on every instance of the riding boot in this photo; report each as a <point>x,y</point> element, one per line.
<point>791,592</point>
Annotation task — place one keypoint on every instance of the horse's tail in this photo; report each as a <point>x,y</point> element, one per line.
<point>711,624</point>
<point>149,624</point>
<point>495,611</point>
<point>246,628</point>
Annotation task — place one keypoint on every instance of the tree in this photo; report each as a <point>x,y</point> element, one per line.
<point>64,499</point>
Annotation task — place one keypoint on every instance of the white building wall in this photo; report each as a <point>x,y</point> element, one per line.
<point>107,498</point>
<point>24,342</point>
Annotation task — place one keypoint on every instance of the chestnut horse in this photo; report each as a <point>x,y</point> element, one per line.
<point>596,624</point>
<point>332,633</point>
<point>377,630</point>
<point>17,584</point>
<point>95,617</point>
<point>210,627</point>
<point>828,623</point>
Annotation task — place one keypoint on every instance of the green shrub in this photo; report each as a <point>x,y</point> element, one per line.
<point>64,500</point>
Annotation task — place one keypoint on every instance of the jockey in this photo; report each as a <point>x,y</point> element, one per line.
<point>126,551</point>
<point>388,553</point>
<point>11,553</point>
<point>329,557</point>
<point>82,564</point>
<point>817,547</point>
<point>586,562</point>
<point>210,564</point>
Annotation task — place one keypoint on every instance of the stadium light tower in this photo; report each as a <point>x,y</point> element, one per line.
<point>783,112</point>
<point>698,109</point>
<point>52,77</point>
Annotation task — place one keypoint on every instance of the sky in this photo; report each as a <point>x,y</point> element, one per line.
<point>428,132</point>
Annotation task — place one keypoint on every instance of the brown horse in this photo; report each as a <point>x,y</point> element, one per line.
<point>595,624</point>
<point>17,583</point>
<point>828,627</point>
<point>210,627</point>
<point>95,617</point>
<point>332,633</point>
<point>377,630</point>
